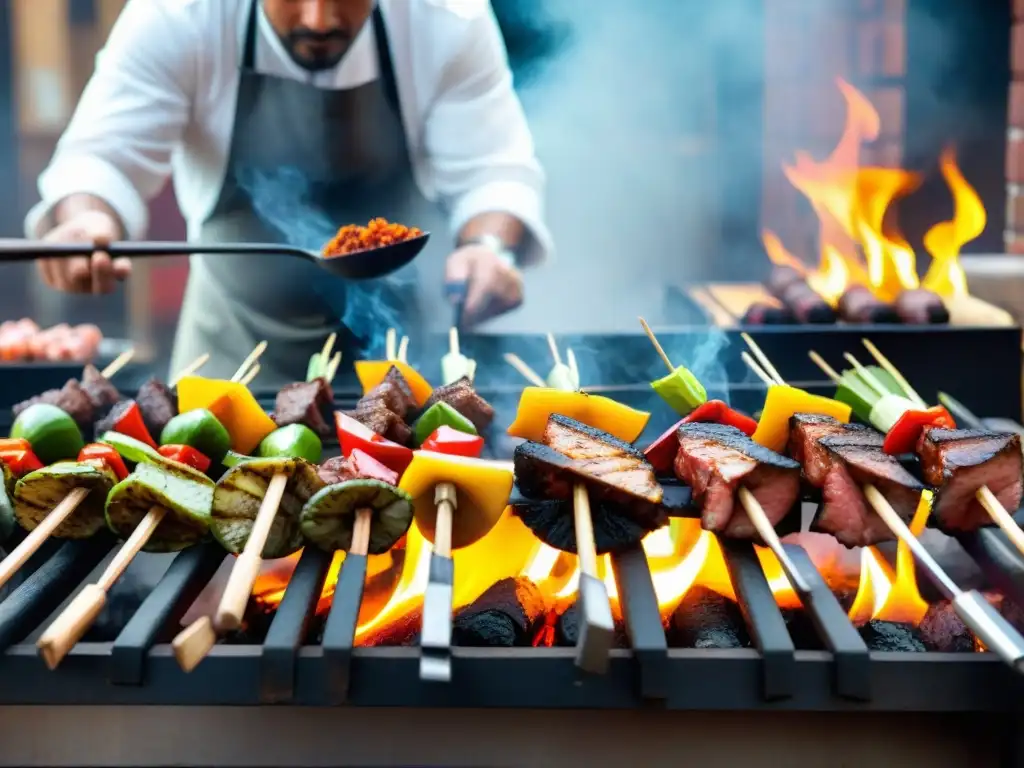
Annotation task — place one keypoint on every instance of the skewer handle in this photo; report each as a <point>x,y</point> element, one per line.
<point>143,532</point>
<point>992,629</point>
<point>586,549</point>
<point>31,543</point>
<point>446,499</point>
<point>191,645</point>
<point>436,636</point>
<point>361,532</point>
<point>71,625</point>
<point>597,627</point>
<point>247,565</point>
<point>767,532</point>
<point>1001,517</point>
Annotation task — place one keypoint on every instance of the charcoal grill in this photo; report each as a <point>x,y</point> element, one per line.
<point>138,679</point>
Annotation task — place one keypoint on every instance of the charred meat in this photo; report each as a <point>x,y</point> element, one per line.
<point>844,512</point>
<point>805,434</point>
<point>305,402</point>
<point>70,398</point>
<point>385,422</point>
<point>960,461</point>
<point>461,396</point>
<point>157,404</point>
<point>101,392</point>
<point>393,393</point>
<point>715,460</point>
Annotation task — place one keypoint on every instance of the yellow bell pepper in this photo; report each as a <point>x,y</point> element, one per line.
<point>372,372</point>
<point>538,403</point>
<point>233,405</point>
<point>482,489</point>
<point>784,402</point>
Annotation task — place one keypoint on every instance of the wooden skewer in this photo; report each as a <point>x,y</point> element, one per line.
<point>757,369</point>
<point>762,358</point>
<point>34,540</point>
<point>555,354</point>
<point>191,645</point>
<point>527,372</point>
<point>869,378</point>
<point>827,369</point>
<point>657,346</point>
<point>886,365</point>
<point>332,367</point>
<point>325,352</point>
<point>391,344</point>
<point>249,361</point>
<point>190,369</point>
<point>570,358</point>
<point>252,374</point>
<point>453,340</point>
<point>435,638</point>
<point>361,532</point>
<point>403,350</point>
<point>586,548</point>
<point>247,565</point>
<point>74,621</point>
<point>596,625</point>
<point>118,363</point>
<point>767,532</point>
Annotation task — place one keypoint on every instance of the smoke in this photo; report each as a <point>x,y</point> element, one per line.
<point>295,208</point>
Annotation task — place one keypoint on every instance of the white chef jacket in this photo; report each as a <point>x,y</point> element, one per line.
<point>162,102</point>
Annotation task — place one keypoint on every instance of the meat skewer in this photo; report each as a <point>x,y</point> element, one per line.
<point>455,365</point>
<point>250,375</point>
<point>680,389</point>
<point>118,363</point>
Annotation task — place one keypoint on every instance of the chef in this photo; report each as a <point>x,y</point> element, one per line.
<point>277,117</point>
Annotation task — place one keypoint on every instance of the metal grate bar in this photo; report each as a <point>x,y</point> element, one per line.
<point>340,630</point>
<point>190,572</point>
<point>288,628</point>
<point>436,637</point>
<point>42,592</point>
<point>763,617</point>
<point>639,605</point>
<point>998,559</point>
<point>850,653</point>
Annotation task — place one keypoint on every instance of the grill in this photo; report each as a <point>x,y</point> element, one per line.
<point>799,661</point>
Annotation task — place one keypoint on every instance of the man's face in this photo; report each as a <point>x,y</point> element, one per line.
<point>317,33</point>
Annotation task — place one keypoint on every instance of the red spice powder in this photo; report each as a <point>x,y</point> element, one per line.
<point>378,233</point>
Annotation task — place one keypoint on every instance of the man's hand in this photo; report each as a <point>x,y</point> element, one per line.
<point>85,274</point>
<point>494,287</point>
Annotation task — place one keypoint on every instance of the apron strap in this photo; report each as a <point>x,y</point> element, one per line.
<point>384,62</point>
<point>249,47</point>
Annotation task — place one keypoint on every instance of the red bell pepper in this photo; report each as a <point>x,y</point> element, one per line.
<point>187,455</point>
<point>905,433</point>
<point>364,465</point>
<point>662,452</point>
<point>17,454</point>
<point>354,435</point>
<point>130,422</point>
<point>450,441</point>
<point>105,455</point>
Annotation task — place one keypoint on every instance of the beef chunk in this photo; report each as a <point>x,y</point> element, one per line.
<point>807,430</point>
<point>101,392</point>
<point>305,402</point>
<point>715,460</point>
<point>70,398</point>
<point>385,422</point>
<point>960,461</point>
<point>393,393</point>
<point>336,470</point>
<point>157,404</point>
<point>461,396</point>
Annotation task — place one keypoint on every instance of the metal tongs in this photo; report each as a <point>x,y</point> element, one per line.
<point>359,265</point>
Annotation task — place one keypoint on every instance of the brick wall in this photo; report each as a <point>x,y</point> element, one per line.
<point>807,46</point>
<point>1014,235</point>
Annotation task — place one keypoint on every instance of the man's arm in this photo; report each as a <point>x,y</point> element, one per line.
<point>480,148</point>
<point>115,154</point>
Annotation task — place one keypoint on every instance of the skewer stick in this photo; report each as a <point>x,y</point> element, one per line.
<point>74,621</point>
<point>757,369</point>
<point>118,363</point>
<point>827,369</point>
<point>247,565</point>
<point>436,635</point>
<point>597,627</point>
<point>191,645</point>
<point>252,374</point>
<point>893,371</point>
<point>403,350</point>
<point>249,361</point>
<point>570,358</point>
<point>325,352</point>
<point>31,543</point>
<point>762,358</point>
<point>526,371</point>
<point>657,346</point>
<point>583,522</point>
<point>190,369</point>
<point>332,367</point>
<point>361,532</point>
<point>453,340</point>
<point>767,532</point>
<point>391,344</point>
<point>1001,517</point>
<point>555,354</point>
<point>869,378</point>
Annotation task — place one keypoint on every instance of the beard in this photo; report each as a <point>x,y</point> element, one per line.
<point>317,51</point>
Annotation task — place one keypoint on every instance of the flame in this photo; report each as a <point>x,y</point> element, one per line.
<point>859,244</point>
<point>887,596</point>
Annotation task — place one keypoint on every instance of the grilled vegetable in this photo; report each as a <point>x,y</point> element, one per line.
<point>784,402</point>
<point>538,403</point>
<point>562,377</point>
<point>372,372</point>
<point>681,390</point>
<point>328,519</point>
<point>296,441</point>
<point>200,429</point>
<point>353,435</point>
<point>860,396</point>
<point>902,437</point>
<point>232,459</point>
<point>186,494</point>
<point>482,489</point>
<point>129,448</point>
<point>454,443</point>
<point>238,495</point>
<point>107,456</point>
<point>233,405</point>
<point>187,455</point>
<point>36,494</point>
<point>51,432</point>
<point>440,415</point>
<point>127,420</point>
<point>17,457</point>
<point>455,366</point>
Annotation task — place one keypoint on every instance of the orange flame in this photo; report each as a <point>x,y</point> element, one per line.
<point>858,242</point>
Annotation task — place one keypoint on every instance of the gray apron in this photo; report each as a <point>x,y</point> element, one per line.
<point>303,161</point>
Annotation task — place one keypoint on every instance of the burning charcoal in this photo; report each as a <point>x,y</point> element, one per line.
<point>943,631</point>
<point>958,462</point>
<point>567,629</point>
<point>706,619</point>
<point>400,631</point>
<point>305,402</point>
<point>761,313</point>
<point>920,307</point>
<point>157,404</point>
<point>507,615</point>
<point>461,396</point>
<point>892,636</point>
<point>1008,609</point>
<point>859,305</point>
<point>802,630</point>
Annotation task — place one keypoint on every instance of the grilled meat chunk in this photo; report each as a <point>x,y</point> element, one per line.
<point>336,470</point>
<point>393,393</point>
<point>157,404</point>
<point>805,434</point>
<point>305,402</point>
<point>960,461</point>
<point>385,422</point>
<point>844,512</point>
<point>70,398</point>
<point>101,392</point>
<point>461,396</point>
<point>340,469</point>
<point>715,460</point>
